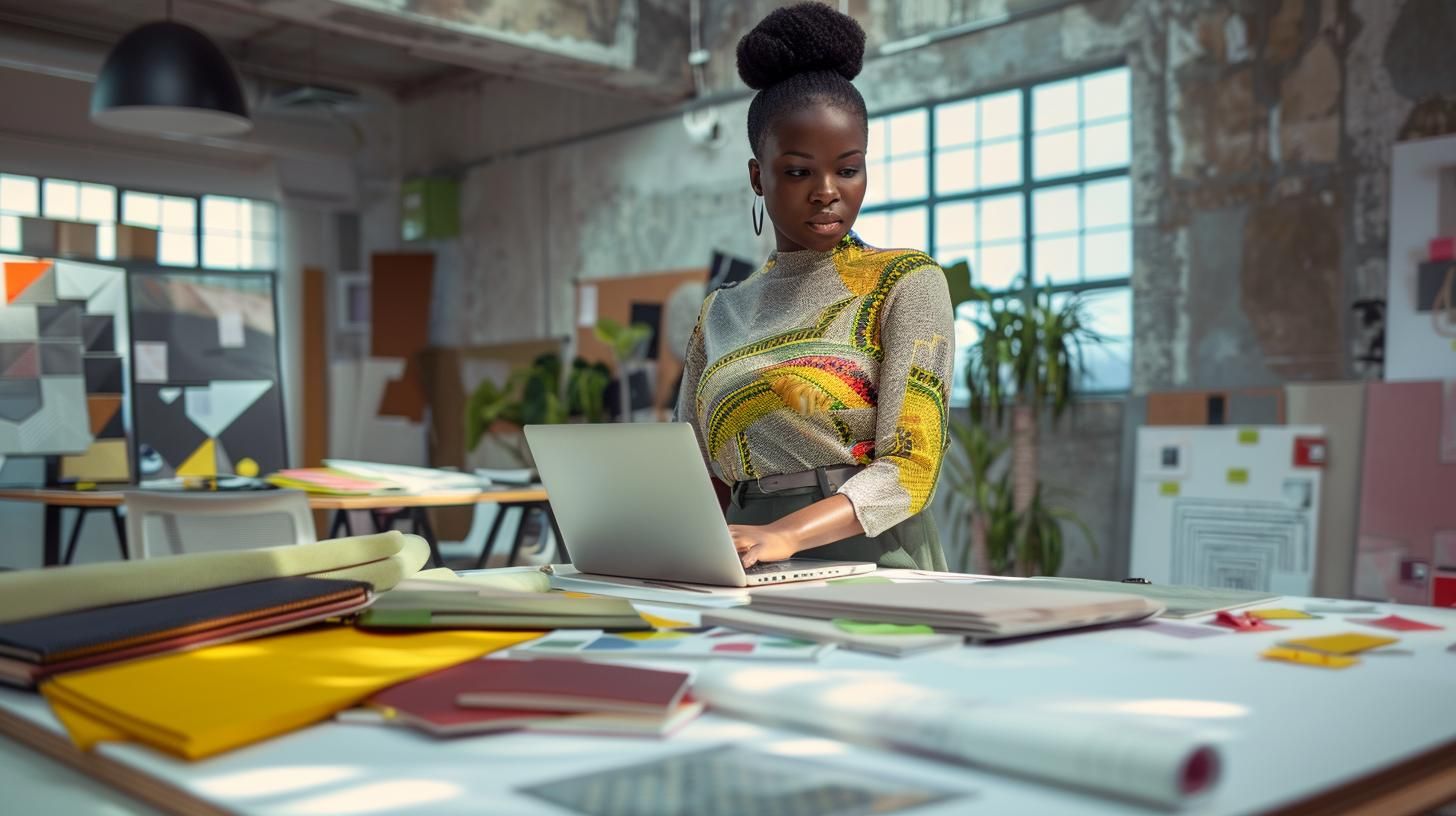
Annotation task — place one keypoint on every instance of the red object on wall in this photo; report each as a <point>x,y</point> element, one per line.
<point>1444,592</point>
<point>1442,249</point>
<point>1310,451</point>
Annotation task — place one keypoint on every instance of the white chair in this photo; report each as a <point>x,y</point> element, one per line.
<point>165,523</point>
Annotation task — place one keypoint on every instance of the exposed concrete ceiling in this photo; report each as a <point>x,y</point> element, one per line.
<point>633,47</point>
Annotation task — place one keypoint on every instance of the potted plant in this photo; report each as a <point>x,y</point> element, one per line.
<point>628,348</point>
<point>536,395</point>
<point>1027,359</point>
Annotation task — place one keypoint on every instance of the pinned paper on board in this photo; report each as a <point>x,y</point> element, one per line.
<point>1397,623</point>
<point>1304,658</point>
<point>230,333</point>
<point>1347,643</point>
<point>586,314</point>
<point>151,362</point>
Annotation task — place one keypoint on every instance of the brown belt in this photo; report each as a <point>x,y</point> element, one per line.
<point>833,477</point>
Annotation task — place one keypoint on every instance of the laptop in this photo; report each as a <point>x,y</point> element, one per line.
<point>634,500</point>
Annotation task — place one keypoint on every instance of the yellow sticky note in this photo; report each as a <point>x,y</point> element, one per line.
<point>1238,476</point>
<point>1281,614</point>
<point>653,635</point>
<point>663,623</point>
<point>1248,436</point>
<point>1169,489</point>
<point>1304,658</point>
<point>1343,644</point>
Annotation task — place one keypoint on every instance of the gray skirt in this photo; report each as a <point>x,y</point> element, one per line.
<point>912,544</point>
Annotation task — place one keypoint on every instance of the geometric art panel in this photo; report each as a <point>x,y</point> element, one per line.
<point>42,385</point>
<point>208,400</point>
<point>1226,507</point>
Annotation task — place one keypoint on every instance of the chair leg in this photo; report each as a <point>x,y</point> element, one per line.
<point>121,541</point>
<point>75,538</point>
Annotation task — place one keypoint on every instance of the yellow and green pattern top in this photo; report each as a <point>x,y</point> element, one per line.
<point>828,358</point>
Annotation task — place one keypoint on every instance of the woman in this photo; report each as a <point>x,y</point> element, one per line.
<point>818,386</point>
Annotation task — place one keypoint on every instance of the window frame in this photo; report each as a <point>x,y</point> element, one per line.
<point>1026,188</point>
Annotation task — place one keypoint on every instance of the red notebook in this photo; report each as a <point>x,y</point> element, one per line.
<point>570,685</point>
<point>428,703</point>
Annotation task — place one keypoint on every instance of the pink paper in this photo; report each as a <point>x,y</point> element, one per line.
<point>1397,623</point>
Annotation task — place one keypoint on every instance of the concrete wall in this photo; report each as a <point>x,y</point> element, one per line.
<point>1260,168</point>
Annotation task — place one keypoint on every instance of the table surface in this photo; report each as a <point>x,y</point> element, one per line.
<point>115,498</point>
<point>1287,732</point>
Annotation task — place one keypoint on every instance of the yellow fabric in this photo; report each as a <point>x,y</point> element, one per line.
<point>382,560</point>
<point>199,703</point>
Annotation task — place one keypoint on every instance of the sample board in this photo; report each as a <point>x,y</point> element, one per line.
<point>207,388</point>
<point>1228,507</point>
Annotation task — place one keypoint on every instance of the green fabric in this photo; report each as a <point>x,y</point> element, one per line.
<point>872,628</point>
<point>912,544</point>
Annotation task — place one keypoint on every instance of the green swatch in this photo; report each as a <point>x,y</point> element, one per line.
<point>861,579</point>
<point>1238,476</point>
<point>872,628</point>
<point>1248,436</point>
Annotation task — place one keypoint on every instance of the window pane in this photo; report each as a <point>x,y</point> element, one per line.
<point>907,132</point>
<point>1109,364</point>
<point>141,209</point>
<point>877,183</point>
<point>955,170</point>
<point>98,203</point>
<point>1000,265</point>
<point>220,251</point>
<point>1106,94</point>
<point>1108,203</point>
<point>106,241</point>
<point>875,145</point>
<point>1056,210</point>
<point>19,195</point>
<point>179,214</point>
<point>955,225</point>
<point>1054,105</point>
<point>955,124</point>
<point>264,219</point>
<point>1057,260</point>
<point>1109,254</point>
<point>1107,146</point>
<point>10,233</point>
<point>264,253</point>
<point>176,249</point>
<point>1001,218</point>
<point>908,179</point>
<point>1055,154</point>
<point>1001,115</point>
<point>62,200</point>
<point>1000,164</point>
<point>220,215</point>
<point>873,229</point>
<point>908,229</point>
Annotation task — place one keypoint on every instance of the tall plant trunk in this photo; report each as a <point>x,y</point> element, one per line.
<point>1024,475</point>
<point>980,559</point>
<point>624,390</point>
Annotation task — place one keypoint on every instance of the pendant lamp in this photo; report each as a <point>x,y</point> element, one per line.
<point>166,77</point>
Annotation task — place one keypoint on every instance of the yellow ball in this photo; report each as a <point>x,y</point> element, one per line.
<point>247,467</point>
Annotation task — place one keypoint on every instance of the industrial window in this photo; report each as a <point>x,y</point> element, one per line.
<point>1030,186</point>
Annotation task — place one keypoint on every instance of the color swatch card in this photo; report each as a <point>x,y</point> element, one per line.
<point>1281,614</point>
<point>697,643</point>
<point>1397,623</point>
<point>1343,644</point>
<point>1307,658</point>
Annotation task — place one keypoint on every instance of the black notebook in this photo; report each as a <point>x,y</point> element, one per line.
<point>73,635</point>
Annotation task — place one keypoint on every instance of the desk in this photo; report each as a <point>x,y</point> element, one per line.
<point>87,501</point>
<point>1378,738</point>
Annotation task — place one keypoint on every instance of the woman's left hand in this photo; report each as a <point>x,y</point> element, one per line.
<point>757,543</point>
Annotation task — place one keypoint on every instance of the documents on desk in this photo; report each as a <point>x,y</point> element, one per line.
<point>464,604</point>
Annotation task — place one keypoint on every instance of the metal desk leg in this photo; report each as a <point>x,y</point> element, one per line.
<point>81,514</point>
<point>121,541</point>
<point>420,518</point>
<point>495,526</point>
<point>341,523</point>
<point>51,556</point>
<point>560,542</point>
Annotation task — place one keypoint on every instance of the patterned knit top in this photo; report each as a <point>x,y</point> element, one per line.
<point>828,358</point>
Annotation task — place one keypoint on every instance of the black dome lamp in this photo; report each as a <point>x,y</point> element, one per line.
<point>166,77</point>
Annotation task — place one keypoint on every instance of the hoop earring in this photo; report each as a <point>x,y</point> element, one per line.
<point>758,215</point>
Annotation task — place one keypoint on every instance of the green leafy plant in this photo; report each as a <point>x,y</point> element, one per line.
<point>626,343</point>
<point>536,395</point>
<point>1027,358</point>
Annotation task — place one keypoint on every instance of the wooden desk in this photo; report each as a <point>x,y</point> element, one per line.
<point>1377,739</point>
<point>415,504</point>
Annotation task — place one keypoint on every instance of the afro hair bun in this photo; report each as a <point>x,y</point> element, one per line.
<point>798,39</point>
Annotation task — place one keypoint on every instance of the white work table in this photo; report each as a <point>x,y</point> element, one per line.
<point>1287,733</point>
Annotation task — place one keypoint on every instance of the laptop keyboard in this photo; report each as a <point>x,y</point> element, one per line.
<point>779,566</point>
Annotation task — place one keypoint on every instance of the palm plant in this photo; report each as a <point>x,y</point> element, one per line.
<point>534,396</point>
<point>626,343</point>
<point>1028,357</point>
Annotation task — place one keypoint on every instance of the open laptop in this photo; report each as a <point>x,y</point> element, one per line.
<point>634,500</point>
